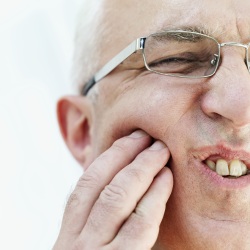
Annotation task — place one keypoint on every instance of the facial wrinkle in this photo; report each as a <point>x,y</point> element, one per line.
<point>178,121</point>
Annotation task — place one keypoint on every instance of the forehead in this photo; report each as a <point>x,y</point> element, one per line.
<point>129,19</point>
<point>122,21</point>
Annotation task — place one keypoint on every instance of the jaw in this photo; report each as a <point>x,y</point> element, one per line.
<point>206,213</point>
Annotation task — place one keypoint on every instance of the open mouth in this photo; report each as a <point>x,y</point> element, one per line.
<point>228,168</point>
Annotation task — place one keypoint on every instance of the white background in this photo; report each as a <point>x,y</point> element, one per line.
<point>37,171</point>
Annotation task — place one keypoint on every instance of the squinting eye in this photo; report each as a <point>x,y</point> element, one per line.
<point>182,64</point>
<point>171,60</point>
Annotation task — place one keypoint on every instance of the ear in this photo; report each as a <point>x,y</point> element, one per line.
<point>75,115</point>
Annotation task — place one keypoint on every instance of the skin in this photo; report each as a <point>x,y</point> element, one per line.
<point>202,212</point>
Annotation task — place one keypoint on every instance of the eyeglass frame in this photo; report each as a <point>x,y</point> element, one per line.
<point>139,44</point>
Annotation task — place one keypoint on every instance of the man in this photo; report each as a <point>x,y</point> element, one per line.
<point>178,97</point>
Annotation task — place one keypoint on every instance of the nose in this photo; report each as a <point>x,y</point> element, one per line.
<point>229,93</point>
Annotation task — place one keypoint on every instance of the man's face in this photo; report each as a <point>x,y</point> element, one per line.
<point>197,119</point>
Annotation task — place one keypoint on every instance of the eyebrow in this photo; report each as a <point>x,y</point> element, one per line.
<point>179,36</point>
<point>198,29</point>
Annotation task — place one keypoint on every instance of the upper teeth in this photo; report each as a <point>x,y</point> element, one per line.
<point>234,168</point>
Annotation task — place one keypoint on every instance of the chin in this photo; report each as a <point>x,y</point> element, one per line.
<point>206,206</point>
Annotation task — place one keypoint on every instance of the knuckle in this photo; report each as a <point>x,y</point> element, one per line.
<point>113,197</point>
<point>88,180</point>
<point>73,200</point>
<point>122,145</point>
<point>105,159</point>
<point>135,175</point>
<point>141,211</point>
<point>142,221</point>
<point>118,149</point>
<point>145,158</point>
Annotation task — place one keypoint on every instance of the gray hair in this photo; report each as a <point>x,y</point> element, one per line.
<point>87,51</point>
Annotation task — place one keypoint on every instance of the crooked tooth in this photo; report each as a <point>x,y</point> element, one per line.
<point>243,168</point>
<point>211,165</point>
<point>235,168</point>
<point>222,167</point>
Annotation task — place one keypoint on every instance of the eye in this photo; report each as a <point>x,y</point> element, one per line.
<point>171,60</point>
<point>181,64</point>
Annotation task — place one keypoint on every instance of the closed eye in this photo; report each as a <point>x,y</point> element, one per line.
<point>171,60</point>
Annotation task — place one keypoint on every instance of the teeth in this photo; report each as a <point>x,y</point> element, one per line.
<point>243,168</point>
<point>211,165</point>
<point>235,168</point>
<point>222,167</point>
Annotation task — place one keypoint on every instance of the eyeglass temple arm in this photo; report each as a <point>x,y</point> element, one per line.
<point>113,63</point>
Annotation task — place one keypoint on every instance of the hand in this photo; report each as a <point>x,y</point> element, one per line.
<point>119,201</point>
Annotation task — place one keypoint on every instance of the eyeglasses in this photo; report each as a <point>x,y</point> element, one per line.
<point>175,53</point>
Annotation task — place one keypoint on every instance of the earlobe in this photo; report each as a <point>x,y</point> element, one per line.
<point>75,116</point>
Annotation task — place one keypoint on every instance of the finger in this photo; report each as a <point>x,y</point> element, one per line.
<point>97,176</point>
<point>120,197</point>
<point>141,229</point>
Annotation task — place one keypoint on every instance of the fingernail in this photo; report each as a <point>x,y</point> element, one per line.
<point>138,134</point>
<point>158,145</point>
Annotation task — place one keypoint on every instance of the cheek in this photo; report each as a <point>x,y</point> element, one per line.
<point>159,110</point>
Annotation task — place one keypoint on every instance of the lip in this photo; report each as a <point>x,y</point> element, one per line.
<point>221,152</point>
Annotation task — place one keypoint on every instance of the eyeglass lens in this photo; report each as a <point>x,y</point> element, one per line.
<point>181,54</point>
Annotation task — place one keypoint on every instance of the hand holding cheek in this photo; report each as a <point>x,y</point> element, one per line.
<point>120,200</point>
